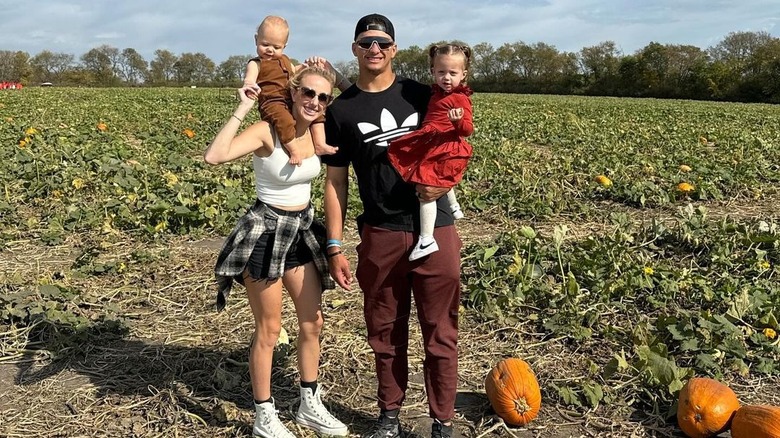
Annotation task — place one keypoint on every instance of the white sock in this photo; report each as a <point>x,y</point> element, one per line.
<point>453,200</point>
<point>427,218</point>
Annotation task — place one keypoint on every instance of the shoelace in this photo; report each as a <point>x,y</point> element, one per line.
<point>270,419</point>
<point>323,413</point>
<point>277,427</point>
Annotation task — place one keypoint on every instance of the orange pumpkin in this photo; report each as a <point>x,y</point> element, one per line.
<point>756,422</point>
<point>685,187</point>
<point>513,391</point>
<point>603,180</point>
<point>705,407</point>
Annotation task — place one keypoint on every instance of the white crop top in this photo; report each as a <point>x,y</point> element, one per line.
<point>279,183</point>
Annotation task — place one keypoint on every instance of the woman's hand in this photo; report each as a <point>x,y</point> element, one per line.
<point>248,93</point>
<point>228,146</point>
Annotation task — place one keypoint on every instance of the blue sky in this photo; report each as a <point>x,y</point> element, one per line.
<point>224,28</point>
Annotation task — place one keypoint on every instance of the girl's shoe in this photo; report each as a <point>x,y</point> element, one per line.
<point>457,213</point>
<point>425,246</point>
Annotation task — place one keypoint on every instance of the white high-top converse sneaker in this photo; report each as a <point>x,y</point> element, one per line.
<point>267,423</point>
<point>312,413</point>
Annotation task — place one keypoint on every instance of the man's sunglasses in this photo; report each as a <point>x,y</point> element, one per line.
<point>310,94</point>
<point>365,43</point>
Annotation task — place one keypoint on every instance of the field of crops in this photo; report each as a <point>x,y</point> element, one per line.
<point>620,246</point>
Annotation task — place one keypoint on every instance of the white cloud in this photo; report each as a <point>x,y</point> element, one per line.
<point>221,29</point>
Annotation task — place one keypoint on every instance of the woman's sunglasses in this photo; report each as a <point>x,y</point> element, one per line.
<point>310,94</point>
<point>365,43</point>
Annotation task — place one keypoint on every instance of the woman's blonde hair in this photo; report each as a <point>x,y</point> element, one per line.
<point>295,80</point>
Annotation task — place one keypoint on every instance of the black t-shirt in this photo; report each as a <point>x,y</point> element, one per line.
<point>361,125</point>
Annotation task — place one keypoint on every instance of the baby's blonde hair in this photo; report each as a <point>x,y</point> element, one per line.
<point>273,20</point>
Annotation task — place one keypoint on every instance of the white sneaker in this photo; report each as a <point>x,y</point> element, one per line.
<point>457,213</point>
<point>312,413</point>
<point>424,247</point>
<point>267,422</point>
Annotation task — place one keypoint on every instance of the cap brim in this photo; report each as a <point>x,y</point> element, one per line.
<point>374,35</point>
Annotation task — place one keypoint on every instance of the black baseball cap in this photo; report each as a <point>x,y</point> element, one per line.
<point>375,22</point>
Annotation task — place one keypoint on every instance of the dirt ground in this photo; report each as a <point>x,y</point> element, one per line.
<point>167,364</point>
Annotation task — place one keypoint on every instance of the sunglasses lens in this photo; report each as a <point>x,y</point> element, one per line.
<point>366,43</point>
<point>311,94</point>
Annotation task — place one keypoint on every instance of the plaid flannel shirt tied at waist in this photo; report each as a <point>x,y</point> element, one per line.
<point>261,218</point>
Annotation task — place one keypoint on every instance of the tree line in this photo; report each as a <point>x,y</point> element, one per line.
<point>744,66</point>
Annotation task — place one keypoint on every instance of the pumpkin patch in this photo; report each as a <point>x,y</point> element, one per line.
<point>620,295</point>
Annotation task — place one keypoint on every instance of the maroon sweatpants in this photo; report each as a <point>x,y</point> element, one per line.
<point>388,280</point>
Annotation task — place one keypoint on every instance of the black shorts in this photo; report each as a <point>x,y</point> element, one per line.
<point>299,254</point>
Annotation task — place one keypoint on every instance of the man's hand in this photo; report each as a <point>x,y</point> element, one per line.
<point>339,270</point>
<point>430,193</point>
<point>320,62</point>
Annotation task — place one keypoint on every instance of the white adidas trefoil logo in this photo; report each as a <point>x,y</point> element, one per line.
<point>388,128</point>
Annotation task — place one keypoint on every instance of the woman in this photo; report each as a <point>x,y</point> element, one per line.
<point>278,243</point>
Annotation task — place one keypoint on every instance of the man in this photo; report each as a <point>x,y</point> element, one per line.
<point>361,122</point>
